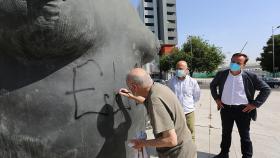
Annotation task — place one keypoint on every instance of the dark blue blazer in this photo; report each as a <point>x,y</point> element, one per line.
<point>251,83</point>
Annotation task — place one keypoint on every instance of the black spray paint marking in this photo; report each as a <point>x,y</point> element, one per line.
<point>74,91</point>
<point>92,112</point>
<point>91,60</point>
<point>114,69</point>
<point>80,90</point>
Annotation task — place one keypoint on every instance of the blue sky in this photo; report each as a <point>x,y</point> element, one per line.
<point>228,23</point>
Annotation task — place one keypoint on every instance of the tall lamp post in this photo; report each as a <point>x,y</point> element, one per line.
<point>190,39</point>
<point>273,61</point>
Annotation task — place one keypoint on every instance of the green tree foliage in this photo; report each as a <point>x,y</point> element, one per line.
<point>165,62</point>
<point>198,53</point>
<point>266,59</point>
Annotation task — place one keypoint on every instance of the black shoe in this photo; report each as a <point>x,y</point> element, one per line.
<point>221,155</point>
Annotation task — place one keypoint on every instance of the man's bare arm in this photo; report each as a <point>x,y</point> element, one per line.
<point>168,139</point>
<point>127,93</point>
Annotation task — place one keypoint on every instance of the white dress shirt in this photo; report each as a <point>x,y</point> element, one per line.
<point>234,91</point>
<point>187,91</point>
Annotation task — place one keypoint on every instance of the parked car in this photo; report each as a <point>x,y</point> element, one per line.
<point>272,82</point>
<point>159,81</point>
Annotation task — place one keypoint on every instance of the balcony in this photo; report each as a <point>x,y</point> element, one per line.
<point>149,20</point>
<point>171,9</point>
<point>172,34</point>
<point>171,17</point>
<point>171,25</point>
<point>148,5</point>
<point>171,1</point>
<point>149,12</point>
<point>173,42</point>
<point>152,28</point>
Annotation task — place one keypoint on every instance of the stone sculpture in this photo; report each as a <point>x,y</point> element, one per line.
<point>61,63</point>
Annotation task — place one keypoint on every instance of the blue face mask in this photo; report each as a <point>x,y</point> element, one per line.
<point>234,67</point>
<point>180,73</point>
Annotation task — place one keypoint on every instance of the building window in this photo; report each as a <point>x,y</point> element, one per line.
<point>171,38</point>
<point>148,0</point>
<point>170,4</point>
<point>149,24</point>
<point>171,21</point>
<point>149,8</point>
<point>170,13</point>
<point>171,29</point>
<point>149,16</point>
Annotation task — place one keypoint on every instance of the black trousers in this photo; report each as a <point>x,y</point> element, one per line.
<point>229,115</point>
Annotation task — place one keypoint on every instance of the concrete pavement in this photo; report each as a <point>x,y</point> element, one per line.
<point>265,132</point>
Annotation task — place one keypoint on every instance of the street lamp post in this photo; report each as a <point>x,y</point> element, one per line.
<point>190,39</point>
<point>273,61</point>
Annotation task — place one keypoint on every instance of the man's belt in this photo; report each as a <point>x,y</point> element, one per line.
<point>234,106</point>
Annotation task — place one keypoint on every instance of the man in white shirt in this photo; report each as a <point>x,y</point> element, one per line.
<point>187,91</point>
<point>235,98</point>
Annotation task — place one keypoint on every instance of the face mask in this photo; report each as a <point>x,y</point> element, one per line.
<point>234,67</point>
<point>180,73</point>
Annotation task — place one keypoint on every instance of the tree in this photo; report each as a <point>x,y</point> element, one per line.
<point>266,59</point>
<point>198,53</point>
<point>165,62</point>
<point>204,56</point>
<point>169,61</point>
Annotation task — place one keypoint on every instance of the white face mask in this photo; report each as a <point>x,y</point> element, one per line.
<point>180,73</point>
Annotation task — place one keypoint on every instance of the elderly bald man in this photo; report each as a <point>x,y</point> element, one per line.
<point>188,92</point>
<point>172,138</point>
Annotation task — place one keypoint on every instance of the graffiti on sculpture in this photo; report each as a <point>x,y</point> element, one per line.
<point>75,91</point>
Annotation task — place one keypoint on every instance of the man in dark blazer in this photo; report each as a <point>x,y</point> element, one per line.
<point>235,98</point>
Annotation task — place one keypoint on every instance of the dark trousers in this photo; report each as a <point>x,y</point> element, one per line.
<point>229,115</point>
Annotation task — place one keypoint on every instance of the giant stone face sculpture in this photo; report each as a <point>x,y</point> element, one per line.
<point>61,63</point>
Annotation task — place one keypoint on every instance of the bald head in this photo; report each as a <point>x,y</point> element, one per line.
<point>182,65</point>
<point>140,77</point>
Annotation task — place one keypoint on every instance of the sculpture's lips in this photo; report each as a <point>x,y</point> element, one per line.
<point>51,11</point>
<point>45,15</point>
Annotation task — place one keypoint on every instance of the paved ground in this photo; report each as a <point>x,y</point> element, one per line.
<point>265,132</point>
